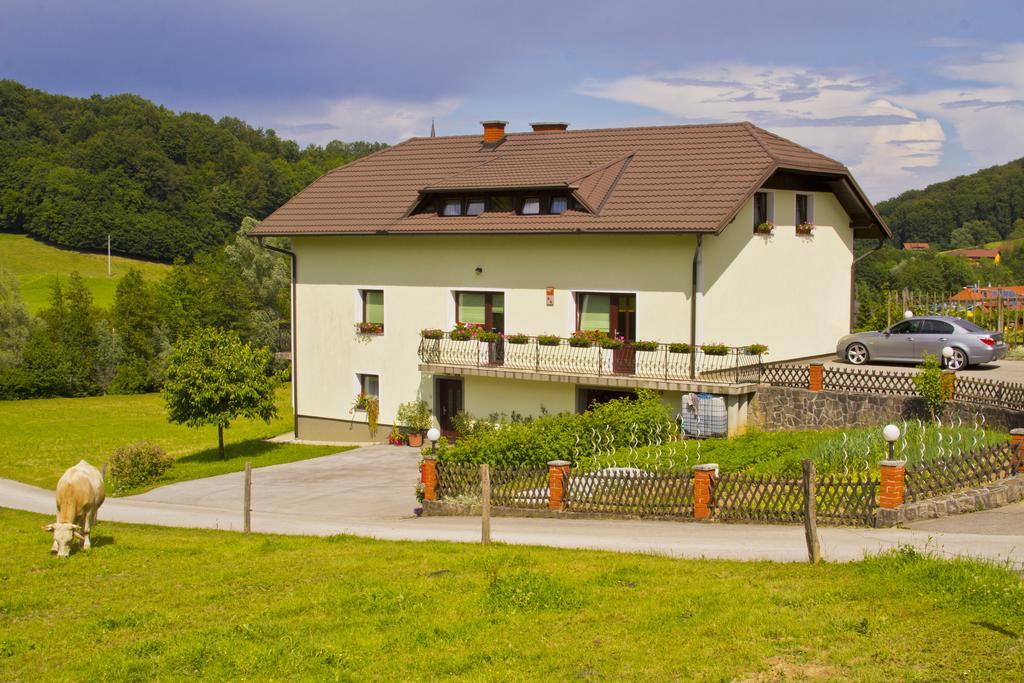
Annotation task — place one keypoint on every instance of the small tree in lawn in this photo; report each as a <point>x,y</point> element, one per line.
<point>213,378</point>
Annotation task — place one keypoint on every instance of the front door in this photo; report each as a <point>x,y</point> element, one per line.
<point>449,402</point>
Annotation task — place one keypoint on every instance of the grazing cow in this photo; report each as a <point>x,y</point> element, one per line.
<point>79,496</point>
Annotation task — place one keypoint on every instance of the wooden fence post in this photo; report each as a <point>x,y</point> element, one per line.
<point>485,504</point>
<point>428,477</point>
<point>247,504</point>
<point>558,471</point>
<point>811,514</point>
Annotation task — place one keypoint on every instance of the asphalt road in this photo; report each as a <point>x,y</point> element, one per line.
<point>369,492</point>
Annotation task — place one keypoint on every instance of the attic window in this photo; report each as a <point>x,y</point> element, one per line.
<point>501,204</point>
<point>452,207</point>
<point>475,207</point>
<point>559,204</point>
<point>531,206</point>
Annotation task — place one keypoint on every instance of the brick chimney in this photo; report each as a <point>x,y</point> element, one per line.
<point>546,126</point>
<point>494,131</point>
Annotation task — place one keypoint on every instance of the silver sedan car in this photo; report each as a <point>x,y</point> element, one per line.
<point>908,340</point>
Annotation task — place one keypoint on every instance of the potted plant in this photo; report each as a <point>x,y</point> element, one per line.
<point>548,339</point>
<point>756,349</point>
<point>396,438</point>
<point>517,338</point>
<point>765,228</point>
<point>715,349</point>
<point>580,340</point>
<point>488,337</point>
<point>679,347</point>
<point>805,229</point>
<point>611,342</point>
<point>370,328</point>
<point>416,416</point>
<point>646,345</point>
<point>431,333</point>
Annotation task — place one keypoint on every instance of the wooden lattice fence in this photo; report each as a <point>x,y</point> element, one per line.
<point>796,376</point>
<point>957,472</point>
<point>868,381</point>
<point>630,491</point>
<point>989,392</point>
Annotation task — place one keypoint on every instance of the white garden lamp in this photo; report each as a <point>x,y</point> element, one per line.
<point>890,433</point>
<point>433,434</point>
<point>947,353</point>
<point>907,315</point>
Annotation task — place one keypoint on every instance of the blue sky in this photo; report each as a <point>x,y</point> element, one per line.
<point>904,92</point>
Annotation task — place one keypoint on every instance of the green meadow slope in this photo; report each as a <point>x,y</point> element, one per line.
<point>38,265</point>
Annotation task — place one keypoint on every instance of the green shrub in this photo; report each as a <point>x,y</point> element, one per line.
<point>136,465</point>
<point>561,437</point>
<point>929,383</point>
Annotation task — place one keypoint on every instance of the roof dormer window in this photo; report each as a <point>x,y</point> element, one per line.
<point>559,204</point>
<point>452,207</point>
<point>531,206</point>
<point>474,207</point>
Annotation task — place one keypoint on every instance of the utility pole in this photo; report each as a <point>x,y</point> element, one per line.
<point>108,255</point>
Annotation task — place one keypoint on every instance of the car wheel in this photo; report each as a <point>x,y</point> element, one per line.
<point>958,361</point>
<point>857,353</point>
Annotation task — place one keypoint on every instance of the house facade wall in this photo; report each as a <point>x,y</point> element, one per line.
<point>419,275</point>
<point>785,290</point>
<point>789,292</point>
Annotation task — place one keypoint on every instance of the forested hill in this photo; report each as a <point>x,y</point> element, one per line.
<point>993,195</point>
<point>163,185</point>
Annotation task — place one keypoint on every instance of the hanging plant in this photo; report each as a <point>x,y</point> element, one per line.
<point>765,228</point>
<point>805,229</point>
<point>372,413</point>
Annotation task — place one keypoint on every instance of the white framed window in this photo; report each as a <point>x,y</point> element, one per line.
<point>475,207</point>
<point>531,206</point>
<point>559,204</point>
<point>804,209</point>
<point>452,207</point>
<point>369,385</point>
<point>764,208</point>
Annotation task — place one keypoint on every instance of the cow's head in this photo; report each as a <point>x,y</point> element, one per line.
<point>63,535</point>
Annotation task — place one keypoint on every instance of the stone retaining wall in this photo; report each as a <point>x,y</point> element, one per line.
<point>785,408</point>
<point>996,494</point>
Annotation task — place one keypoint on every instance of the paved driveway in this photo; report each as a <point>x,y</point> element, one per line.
<point>370,492</point>
<point>1004,521</point>
<point>1002,370</point>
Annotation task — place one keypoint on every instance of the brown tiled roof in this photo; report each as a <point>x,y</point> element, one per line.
<point>658,179</point>
<point>974,253</point>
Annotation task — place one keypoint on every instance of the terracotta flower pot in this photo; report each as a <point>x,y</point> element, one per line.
<point>415,439</point>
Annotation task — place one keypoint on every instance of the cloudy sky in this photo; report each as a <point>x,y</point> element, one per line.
<point>905,92</point>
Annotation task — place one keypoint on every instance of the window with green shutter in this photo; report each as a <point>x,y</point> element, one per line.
<point>373,306</point>
<point>481,308</point>
<point>595,312</point>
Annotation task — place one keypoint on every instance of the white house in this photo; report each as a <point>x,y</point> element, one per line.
<point>673,239</point>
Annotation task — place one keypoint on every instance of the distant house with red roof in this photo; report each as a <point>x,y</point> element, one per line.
<point>915,246</point>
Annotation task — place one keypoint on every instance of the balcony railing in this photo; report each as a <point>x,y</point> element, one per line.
<point>735,366</point>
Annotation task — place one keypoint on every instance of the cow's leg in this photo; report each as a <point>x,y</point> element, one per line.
<point>92,523</point>
<point>86,525</point>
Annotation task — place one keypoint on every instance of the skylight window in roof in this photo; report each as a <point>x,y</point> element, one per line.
<point>452,207</point>
<point>531,206</point>
<point>475,207</point>
<point>559,204</point>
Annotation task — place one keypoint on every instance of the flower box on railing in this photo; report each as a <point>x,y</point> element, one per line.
<point>805,229</point>
<point>548,340</point>
<point>432,333</point>
<point>715,349</point>
<point>646,345</point>
<point>765,228</point>
<point>517,338</point>
<point>679,348</point>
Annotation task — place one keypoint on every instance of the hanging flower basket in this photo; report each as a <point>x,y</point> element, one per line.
<point>805,229</point>
<point>765,228</point>
<point>370,328</point>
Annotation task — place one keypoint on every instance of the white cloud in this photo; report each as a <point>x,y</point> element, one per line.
<point>893,139</point>
<point>846,115</point>
<point>359,118</point>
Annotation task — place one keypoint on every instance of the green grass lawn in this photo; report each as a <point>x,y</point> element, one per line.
<point>37,265</point>
<point>41,438</point>
<point>153,603</point>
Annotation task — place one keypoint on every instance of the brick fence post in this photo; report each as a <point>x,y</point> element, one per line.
<point>815,378</point>
<point>428,477</point>
<point>558,473</point>
<point>1017,443</point>
<point>893,480</point>
<point>702,475</point>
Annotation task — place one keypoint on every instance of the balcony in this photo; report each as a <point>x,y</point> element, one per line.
<point>666,366</point>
